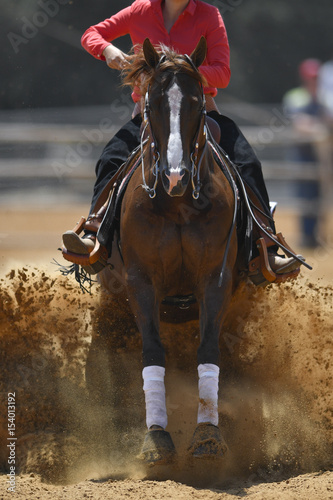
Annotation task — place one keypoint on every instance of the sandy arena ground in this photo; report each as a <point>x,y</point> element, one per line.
<point>72,362</point>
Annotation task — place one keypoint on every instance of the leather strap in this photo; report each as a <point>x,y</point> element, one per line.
<point>106,192</point>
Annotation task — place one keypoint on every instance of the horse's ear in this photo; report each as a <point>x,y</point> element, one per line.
<point>199,54</point>
<point>151,56</point>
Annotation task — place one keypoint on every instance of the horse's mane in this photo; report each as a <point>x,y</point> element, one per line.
<point>138,73</point>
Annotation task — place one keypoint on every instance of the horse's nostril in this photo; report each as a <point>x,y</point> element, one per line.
<point>165,179</point>
<point>186,175</point>
<point>175,181</point>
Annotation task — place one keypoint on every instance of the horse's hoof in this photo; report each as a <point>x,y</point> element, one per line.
<point>158,448</point>
<point>207,442</point>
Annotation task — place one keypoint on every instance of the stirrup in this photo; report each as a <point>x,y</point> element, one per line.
<point>260,271</point>
<point>92,262</point>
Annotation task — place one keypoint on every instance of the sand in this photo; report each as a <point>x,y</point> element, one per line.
<point>72,364</point>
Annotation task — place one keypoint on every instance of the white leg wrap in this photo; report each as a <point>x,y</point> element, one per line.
<point>153,385</point>
<point>208,393</point>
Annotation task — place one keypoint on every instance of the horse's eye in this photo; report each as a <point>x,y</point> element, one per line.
<point>195,102</point>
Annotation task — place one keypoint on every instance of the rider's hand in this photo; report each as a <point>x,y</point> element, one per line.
<point>114,57</point>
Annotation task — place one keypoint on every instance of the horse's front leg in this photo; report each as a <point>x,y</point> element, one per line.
<point>158,447</point>
<point>207,441</point>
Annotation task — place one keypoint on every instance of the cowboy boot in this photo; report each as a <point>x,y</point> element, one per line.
<point>86,250</point>
<point>269,267</point>
<point>281,264</point>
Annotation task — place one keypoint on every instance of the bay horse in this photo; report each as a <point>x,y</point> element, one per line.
<point>177,232</point>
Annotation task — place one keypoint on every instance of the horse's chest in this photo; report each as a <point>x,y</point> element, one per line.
<point>184,248</point>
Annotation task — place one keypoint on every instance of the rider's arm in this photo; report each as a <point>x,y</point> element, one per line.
<point>207,21</point>
<point>97,38</point>
<point>216,68</point>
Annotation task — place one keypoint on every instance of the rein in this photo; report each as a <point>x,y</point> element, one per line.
<point>217,149</point>
<point>236,198</point>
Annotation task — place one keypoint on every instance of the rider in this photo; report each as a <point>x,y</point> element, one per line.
<point>179,24</point>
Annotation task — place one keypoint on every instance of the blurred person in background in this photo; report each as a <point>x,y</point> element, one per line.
<point>325,91</point>
<point>325,95</point>
<point>301,105</point>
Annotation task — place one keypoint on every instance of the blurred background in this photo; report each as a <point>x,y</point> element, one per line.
<point>59,106</point>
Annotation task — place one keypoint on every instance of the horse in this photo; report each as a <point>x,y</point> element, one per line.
<point>178,237</point>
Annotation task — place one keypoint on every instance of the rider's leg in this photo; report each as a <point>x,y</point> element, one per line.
<point>241,153</point>
<point>113,156</point>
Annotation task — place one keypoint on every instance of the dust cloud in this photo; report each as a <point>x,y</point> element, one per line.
<point>74,363</point>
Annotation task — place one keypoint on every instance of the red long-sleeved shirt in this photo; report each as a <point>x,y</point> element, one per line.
<point>144,19</point>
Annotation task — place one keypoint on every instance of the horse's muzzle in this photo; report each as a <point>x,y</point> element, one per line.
<point>175,181</point>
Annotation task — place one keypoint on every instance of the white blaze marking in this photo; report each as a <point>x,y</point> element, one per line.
<point>175,149</point>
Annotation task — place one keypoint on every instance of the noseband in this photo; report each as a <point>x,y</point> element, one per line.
<point>195,164</point>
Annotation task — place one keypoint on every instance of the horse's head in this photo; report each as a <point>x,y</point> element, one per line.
<point>174,110</point>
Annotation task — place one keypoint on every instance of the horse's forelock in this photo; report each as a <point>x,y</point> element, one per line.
<point>138,71</point>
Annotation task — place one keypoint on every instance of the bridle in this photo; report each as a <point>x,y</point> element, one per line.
<point>194,156</point>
